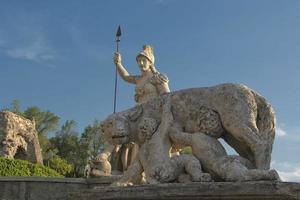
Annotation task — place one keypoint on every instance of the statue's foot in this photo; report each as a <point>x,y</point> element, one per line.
<point>262,156</point>
<point>259,175</point>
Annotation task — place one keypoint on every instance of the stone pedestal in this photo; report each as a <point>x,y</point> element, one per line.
<point>261,190</point>
<point>37,188</point>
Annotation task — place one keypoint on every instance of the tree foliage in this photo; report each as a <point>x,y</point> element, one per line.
<point>60,165</point>
<point>70,147</point>
<point>68,151</point>
<point>93,136</point>
<point>45,121</point>
<point>9,167</point>
<point>16,106</point>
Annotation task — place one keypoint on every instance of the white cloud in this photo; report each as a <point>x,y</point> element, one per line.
<point>286,166</point>
<point>287,171</point>
<point>280,132</point>
<point>36,51</point>
<point>292,176</point>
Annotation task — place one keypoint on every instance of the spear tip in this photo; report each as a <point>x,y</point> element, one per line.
<point>119,32</point>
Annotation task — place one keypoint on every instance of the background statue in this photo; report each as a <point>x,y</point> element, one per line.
<point>19,138</point>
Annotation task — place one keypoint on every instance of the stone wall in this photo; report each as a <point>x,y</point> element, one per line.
<point>33,188</point>
<point>262,190</point>
<point>38,188</point>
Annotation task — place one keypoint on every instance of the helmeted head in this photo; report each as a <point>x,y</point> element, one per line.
<point>147,52</point>
<point>146,59</point>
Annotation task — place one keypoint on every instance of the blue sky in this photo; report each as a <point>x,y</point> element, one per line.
<point>58,55</point>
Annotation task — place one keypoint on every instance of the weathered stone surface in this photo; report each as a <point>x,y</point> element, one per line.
<point>207,191</point>
<point>154,156</point>
<point>149,84</point>
<point>197,118</point>
<point>19,138</point>
<point>100,166</point>
<point>37,188</point>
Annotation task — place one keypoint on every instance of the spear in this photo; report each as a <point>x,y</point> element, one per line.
<point>118,35</point>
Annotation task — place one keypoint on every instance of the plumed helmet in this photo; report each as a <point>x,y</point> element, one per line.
<point>148,53</point>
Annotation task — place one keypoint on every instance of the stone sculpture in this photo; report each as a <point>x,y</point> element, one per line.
<point>155,146</point>
<point>19,138</point>
<point>99,167</point>
<point>149,84</point>
<point>202,115</point>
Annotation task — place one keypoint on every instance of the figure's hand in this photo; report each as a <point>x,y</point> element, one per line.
<point>117,58</point>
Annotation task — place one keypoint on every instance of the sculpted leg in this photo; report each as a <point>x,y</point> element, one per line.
<point>191,165</point>
<point>125,157</point>
<point>234,170</point>
<point>229,168</point>
<point>247,142</point>
<point>134,152</point>
<point>132,176</point>
<point>215,160</point>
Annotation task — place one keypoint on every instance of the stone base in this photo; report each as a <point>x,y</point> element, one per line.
<point>260,190</point>
<point>37,188</point>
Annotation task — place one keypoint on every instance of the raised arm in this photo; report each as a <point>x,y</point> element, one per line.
<point>122,71</point>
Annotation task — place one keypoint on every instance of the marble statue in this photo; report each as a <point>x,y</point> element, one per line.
<point>149,84</point>
<point>155,146</point>
<point>200,116</point>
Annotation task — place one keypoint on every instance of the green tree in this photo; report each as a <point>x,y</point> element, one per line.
<point>60,165</point>
<point>66,140</point>
<point>93,137</point>
<point>45,121</point>
<point>70,147</point>
<point>16,107</point>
